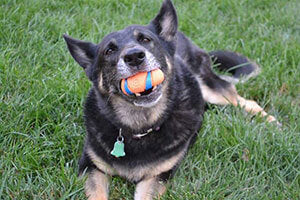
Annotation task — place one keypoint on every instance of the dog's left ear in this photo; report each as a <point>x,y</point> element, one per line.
<point>165,23</point>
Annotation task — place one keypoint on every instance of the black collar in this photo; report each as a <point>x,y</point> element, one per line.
<point>140,135</point>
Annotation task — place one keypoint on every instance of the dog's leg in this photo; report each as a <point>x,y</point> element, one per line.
<point>252,107</point>
<point>96,186</point>
<point>228,95</point>
<point>149,189</point>
<point>218,91</point>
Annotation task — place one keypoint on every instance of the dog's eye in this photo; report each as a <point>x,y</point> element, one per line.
<point>144,39</point>
<point>109,51</point>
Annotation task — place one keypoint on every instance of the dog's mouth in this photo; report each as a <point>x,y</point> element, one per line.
<point>144,93</point>
<point>144,88</point>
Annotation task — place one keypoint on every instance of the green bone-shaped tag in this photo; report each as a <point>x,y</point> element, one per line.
<point>118,150</point>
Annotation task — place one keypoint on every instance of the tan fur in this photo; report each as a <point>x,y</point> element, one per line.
<point>100,163</point>
<point>100,86</point>
<point>137,117</point>
<point>168,64</point>
<point>97,183</point>
<point>252,107</point>
<point>150,170</point>
<point>137,173</point>
<point>214,97</point>
<point>149,189</point>
<point>96,186</point>
<point>231,96</point>
<point>136,33</point>
<point>152,44</point>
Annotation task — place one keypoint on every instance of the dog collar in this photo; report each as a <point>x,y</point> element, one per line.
<point>139,136</point>
<point>119,146</point>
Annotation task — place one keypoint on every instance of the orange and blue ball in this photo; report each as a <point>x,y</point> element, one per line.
<point>142,81</point>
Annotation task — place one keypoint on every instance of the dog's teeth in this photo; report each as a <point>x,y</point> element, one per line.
<point>137,94</point>
<point>154,88</point>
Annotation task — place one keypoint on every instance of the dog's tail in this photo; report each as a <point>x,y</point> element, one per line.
<point>238,66</point>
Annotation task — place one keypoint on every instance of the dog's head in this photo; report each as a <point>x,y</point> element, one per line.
<point>127,52</point>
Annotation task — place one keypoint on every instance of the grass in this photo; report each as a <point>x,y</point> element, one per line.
<point>42,91</point>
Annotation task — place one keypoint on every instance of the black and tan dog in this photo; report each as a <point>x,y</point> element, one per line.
<point>150,131</point>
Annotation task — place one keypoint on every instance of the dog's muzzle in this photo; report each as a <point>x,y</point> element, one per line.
<point>142,83</point>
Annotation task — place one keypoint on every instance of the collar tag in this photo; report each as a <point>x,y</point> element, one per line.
<point>118,150</point>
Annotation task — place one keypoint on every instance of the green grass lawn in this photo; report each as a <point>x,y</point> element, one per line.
<point>42,90</point>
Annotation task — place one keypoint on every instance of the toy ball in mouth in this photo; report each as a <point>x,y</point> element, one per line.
<point>142,82</point>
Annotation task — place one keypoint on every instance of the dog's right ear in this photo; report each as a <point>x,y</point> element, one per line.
<point>83,52</point>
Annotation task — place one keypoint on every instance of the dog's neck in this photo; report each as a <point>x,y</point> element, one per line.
<point>138,118</point>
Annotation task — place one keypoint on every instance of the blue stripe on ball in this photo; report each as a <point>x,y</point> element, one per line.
<point>148,81</point>
<point>126,88</point>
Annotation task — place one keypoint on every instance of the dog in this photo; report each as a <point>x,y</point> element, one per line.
<point>143,137</point>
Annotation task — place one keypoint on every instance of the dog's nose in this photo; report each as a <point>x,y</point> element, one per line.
<point>134,57</point>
